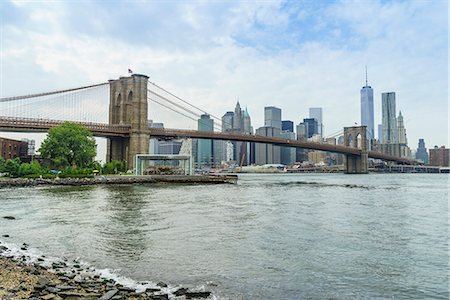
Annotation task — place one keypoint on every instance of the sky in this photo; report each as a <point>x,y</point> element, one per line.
<point>290,54</point>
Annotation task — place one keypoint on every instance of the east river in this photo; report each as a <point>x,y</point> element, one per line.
<point>287,236</point>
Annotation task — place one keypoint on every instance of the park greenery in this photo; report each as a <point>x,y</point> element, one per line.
<point>68,151</point>
<point>69,145</point>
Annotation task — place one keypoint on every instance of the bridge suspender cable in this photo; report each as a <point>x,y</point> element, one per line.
<point>186,102</point>
<point>178,112</point>
<point>176,105</point>
<point>7,99</point>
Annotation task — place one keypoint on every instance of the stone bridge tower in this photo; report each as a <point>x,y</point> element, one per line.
<point>128,106</point>
<point>356,137</point>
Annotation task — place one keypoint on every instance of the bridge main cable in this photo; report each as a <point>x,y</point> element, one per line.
<point>7,99</point>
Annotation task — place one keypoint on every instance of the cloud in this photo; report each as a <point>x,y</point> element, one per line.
<point>291,55</point>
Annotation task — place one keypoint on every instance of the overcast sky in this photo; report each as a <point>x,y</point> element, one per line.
<point>289,54</point>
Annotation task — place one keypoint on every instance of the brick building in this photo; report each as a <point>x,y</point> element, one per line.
<point>440,156</point>
<point>10,148</point>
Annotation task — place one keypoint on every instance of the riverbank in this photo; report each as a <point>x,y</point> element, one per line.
<point>26,277</point>
<point>110,180</point>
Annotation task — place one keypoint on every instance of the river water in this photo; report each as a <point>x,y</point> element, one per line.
<point>287,236</point>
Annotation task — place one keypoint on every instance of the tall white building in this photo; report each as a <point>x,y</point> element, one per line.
<point>389,120</point>
<point>317,113</point>
<point>367,115</point>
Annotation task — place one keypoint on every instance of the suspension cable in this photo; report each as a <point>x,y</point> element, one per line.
<point>7,99</point>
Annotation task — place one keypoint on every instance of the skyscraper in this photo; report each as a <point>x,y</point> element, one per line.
<point>272,117</point>
<point>422,153</point>
<point>311,127</point>
<point>205,147</point>
<point>266,153</point>
<point>389,121</point>
<point>238,120</point>
<point>227,121</point>
<point>247,122</point>
<point>380,134</point>
<point>316,113</point>
<point>401,130</point>
<point>367,116</point>
<point>287,126</point>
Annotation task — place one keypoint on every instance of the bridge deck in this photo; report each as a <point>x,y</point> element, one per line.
<point>108,130</point>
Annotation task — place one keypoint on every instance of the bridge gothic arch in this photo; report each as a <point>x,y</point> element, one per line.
<point>356,137</point>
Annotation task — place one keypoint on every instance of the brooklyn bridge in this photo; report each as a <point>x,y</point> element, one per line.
<point>127,127</point>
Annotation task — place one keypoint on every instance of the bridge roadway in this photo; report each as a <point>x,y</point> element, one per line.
<point>107,130</point>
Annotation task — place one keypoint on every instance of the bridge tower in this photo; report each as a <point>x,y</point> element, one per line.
<point>128,106</point>
<point>356,137</point>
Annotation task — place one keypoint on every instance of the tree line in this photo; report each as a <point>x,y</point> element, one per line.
<point>68,151</point>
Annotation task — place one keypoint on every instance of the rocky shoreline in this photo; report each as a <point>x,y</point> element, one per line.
<point>24,277</point>
<point>115,180</point>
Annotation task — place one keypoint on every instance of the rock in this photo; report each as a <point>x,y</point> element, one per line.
<point>9,217</point>
<point>53,290</point>
<point>126,289</point>
<point>108,295</point>
<point>65,287</point>
<point>70,294</point>
<point>161,284</point>
<point>43,281</point>
<point>3,248</point>
<point>160,297</point>
<point>180,292</point>
<point>190,295</point>
<point>40,259</point>
<point>152,290</point>
<point>48,296</point>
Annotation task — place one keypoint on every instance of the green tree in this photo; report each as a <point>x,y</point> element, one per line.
<point>69,145</point>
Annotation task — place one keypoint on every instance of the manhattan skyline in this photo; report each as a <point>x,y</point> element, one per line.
<point>285,54</point>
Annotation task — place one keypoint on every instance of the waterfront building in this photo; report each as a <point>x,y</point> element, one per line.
<point>265,153</point>
<point>311,127</point>
<point>440,156</point>
<point>316,113</point>
<point>317,157</point>
<point>10,148</point>
<point>288,154</point>
<point>272,117</point>
<point>389,120</point>
<point>367,111</point>
<point>287,126</point>
<point>421,153</point>
<point>205,147</point>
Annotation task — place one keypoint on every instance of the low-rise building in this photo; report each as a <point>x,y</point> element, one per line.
<point>10,149</point>
<point>440,156</point>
